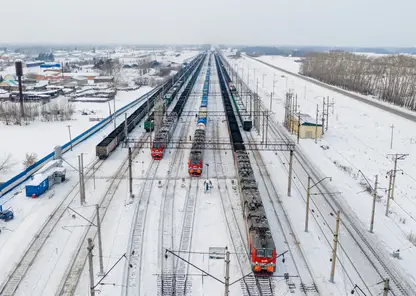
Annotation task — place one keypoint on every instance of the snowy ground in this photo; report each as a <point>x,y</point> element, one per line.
<point>31,214</point>
<point>41,137</point>
<point>358,139</point>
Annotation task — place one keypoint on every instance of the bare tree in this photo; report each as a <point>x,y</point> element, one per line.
<point>389,78</point>
<point>30,158</point>
<point>6,163</point>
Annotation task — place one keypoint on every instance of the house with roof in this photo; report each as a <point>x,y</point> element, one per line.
<point>308,127</point>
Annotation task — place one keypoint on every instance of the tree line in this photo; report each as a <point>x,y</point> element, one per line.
<point>54,111</point>
<point>390,78</point>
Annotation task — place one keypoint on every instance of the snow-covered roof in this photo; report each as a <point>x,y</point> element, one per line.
<point>37,179</point>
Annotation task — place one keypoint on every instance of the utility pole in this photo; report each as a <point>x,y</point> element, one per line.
<point>294,113</point>
<point>308,196</point>
<point>130,174</point>
<point>391,136</point>
<point>100,244</point>
<point>298,127</point>
<point>327,113</point>
<point>289,183</point>
<point>274,81</point>
<point>70,137</point>
<point>271,101</point>
<point>334,250</point>
<point>89,248</point>
<point>316,124</point>
<point>390,173</point>
<point>323,114</point>
<point>114,113</point>
<point>227,273</point>
<point>386,287</point>
<point>109,110</point>
<point>267,126</point>
<point>373,211</point>
<point>81,178</point>
<point>393,182</point>
<point>262,138</point>
<point>126,132</point>
<point>93,173</point>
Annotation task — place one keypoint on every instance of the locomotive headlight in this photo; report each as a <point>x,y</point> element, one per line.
<point>270,268</point>
<point>257,268</point>
<point>198,171</point>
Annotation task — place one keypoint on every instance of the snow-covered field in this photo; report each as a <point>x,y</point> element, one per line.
<point>358,138</point>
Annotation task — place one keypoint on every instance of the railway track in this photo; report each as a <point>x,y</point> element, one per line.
<point>182,286</point>
<point>10,285</point>
<point>307,283</point>
<point>74,272</point>
<point>250,285</point>
<point>133,268</point>
<point>167,280</point>
<point>368,245</point>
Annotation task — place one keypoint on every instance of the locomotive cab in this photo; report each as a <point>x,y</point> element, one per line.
<point>263,261</point>
<point>157,151</point>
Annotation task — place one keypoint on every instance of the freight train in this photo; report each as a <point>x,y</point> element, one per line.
<point>262,250</point>
<point>167,100</point>
<point>195,162</point>
<point>109,143</point>
<point>241,109</point>
<point>167,129</point>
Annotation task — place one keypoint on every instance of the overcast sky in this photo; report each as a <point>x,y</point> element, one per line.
<point>267,22</point>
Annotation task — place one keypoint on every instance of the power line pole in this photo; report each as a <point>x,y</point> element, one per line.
<point>386,287</point>
<point>294,113</point>
<point>390,173</point>
<point>316,124</point>
<point>262,138</point>
<point>391,136</point>
<point>298,127</point>
<point>114,112</point>
<point>308,195</point>
<point>89,248</point>
<point>289,183</point>
<point>373,211</point>
<point>323,114</point>
<point>227,273</point>
<point>70,137</point>
<point>100,244</point>
<point>334,250</point>
<point>130,174</point>
<point>81,178</point>
<point>126,132</point>
<point>327,113</point>
<point>267,126</point>
<point>397,157</point>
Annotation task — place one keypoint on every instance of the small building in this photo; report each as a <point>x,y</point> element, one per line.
<point>52,173</point>
<point>308,126</point>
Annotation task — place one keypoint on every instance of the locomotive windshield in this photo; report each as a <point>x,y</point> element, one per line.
<point>195,161</point>
<point>264,253</point>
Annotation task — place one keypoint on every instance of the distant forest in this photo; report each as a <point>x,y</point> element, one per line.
<point>301,51</point>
